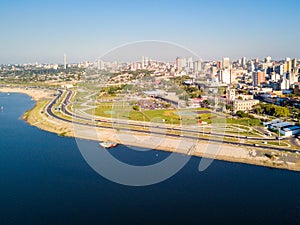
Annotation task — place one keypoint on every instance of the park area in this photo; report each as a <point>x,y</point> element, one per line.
<point>188,116</point>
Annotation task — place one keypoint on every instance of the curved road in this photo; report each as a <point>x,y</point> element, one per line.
<point>66,100</point>
<point>67,112</point>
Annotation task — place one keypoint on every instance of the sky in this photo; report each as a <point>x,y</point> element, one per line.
<point>42,31</point>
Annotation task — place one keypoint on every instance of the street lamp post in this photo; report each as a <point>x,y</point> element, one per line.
<point>279,136</point>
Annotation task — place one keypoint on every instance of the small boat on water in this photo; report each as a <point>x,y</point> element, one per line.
<point>108,144</point>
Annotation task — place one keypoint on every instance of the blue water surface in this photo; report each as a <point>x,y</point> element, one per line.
<point>45,180</point>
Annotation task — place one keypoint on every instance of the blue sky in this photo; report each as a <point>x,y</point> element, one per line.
<point>44,30</point>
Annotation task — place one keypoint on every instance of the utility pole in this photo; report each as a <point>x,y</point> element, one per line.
<point>279,136</point>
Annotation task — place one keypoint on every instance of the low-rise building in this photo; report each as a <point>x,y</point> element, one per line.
<point>285,129</point>
<point>244,105</point>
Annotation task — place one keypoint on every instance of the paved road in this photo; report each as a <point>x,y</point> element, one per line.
<point>185,136</point>
<point>127,123</point>
<point>295,142</point>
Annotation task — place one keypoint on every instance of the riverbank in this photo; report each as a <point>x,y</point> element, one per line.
<point>220,151</point>
<point>35,94</point>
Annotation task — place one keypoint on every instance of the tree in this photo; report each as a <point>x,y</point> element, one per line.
<point>206,102</point>
<point>136,108</point>
<point>242,114</point>
<point>229,107</point>
<point>281,111</point>
<point>221,104</point>
<point>269,109</point>
<point>258,109</point>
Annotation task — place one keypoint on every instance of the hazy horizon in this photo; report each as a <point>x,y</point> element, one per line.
<point>34,31</point>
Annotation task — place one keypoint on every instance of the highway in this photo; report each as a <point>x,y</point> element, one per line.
<point>185,136</point>
<point>128,123</point>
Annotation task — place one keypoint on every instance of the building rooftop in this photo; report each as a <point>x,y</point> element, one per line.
<point>291,128</point>
<point>282,125</point>
<point>271,122</point>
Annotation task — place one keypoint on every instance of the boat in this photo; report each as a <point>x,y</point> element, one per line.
<point>108,144</point>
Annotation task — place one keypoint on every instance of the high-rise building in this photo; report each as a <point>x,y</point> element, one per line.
<point>280,69</point>
<point>251,66</point>
<point>190,63</point>
<point>224,76</point>
<point>145,62</point>
<point>294,63</point>
<point>288,65</point>
<point>198,66</point>
<point>285,84</point>
<point>226,63</point>
<point>181,63</point>
<point>178,64</point>
<point>268,59</point>
<point>100,64</point>
<point>244,62</point>
<point>258,78</point>
<point>275,77</point>
<point>65,61</point>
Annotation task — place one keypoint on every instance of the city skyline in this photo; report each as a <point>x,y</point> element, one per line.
<point>43,32</point>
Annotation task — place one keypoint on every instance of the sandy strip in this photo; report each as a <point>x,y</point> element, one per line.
<point>35,94</point>
<point>204,149</point>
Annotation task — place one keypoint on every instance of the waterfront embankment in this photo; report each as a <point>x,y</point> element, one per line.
<point>207,149</point>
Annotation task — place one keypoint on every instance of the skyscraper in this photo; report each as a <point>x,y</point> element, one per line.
<point>226,63</point>
<point>268,59</point>
<point>189,63</point>
<point>288,65</point>
<point>198,66</point>
<point>181,64</point>
<point>65,61</point>
<point>294,63</point>
<point>224,76</point>
<point>178,64</point>
<point>258,78</point>
<point>244,62</point>
<point>145,62</point>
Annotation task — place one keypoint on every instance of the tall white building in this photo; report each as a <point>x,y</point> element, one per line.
<point>288,65</point>
<point>251,67</point>
<point>226,63</point>
<point>65,61</point>
<point>190,63</point>
<point>100,65</point>
<point>281,69</point>
<point>285,84</point>
<point>181,64</point>
<point>244,61</point>
<point>268,59</point>
<point>145,62</point>
<point>275,77</point>
<point>224,76</point>
<point>198,66</point>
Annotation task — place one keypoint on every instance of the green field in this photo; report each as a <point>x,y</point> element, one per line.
<point>170,116</point>
<point>123,110</point>
<point>117,110</point>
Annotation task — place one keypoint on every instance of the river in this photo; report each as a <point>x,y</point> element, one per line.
<point>45,180</point>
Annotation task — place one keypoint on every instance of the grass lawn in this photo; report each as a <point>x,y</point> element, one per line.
<point>169,116</point>
<point>244,121</point>
<point>117,110</point>
<point>276,143</point>
<point>123,110</point>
